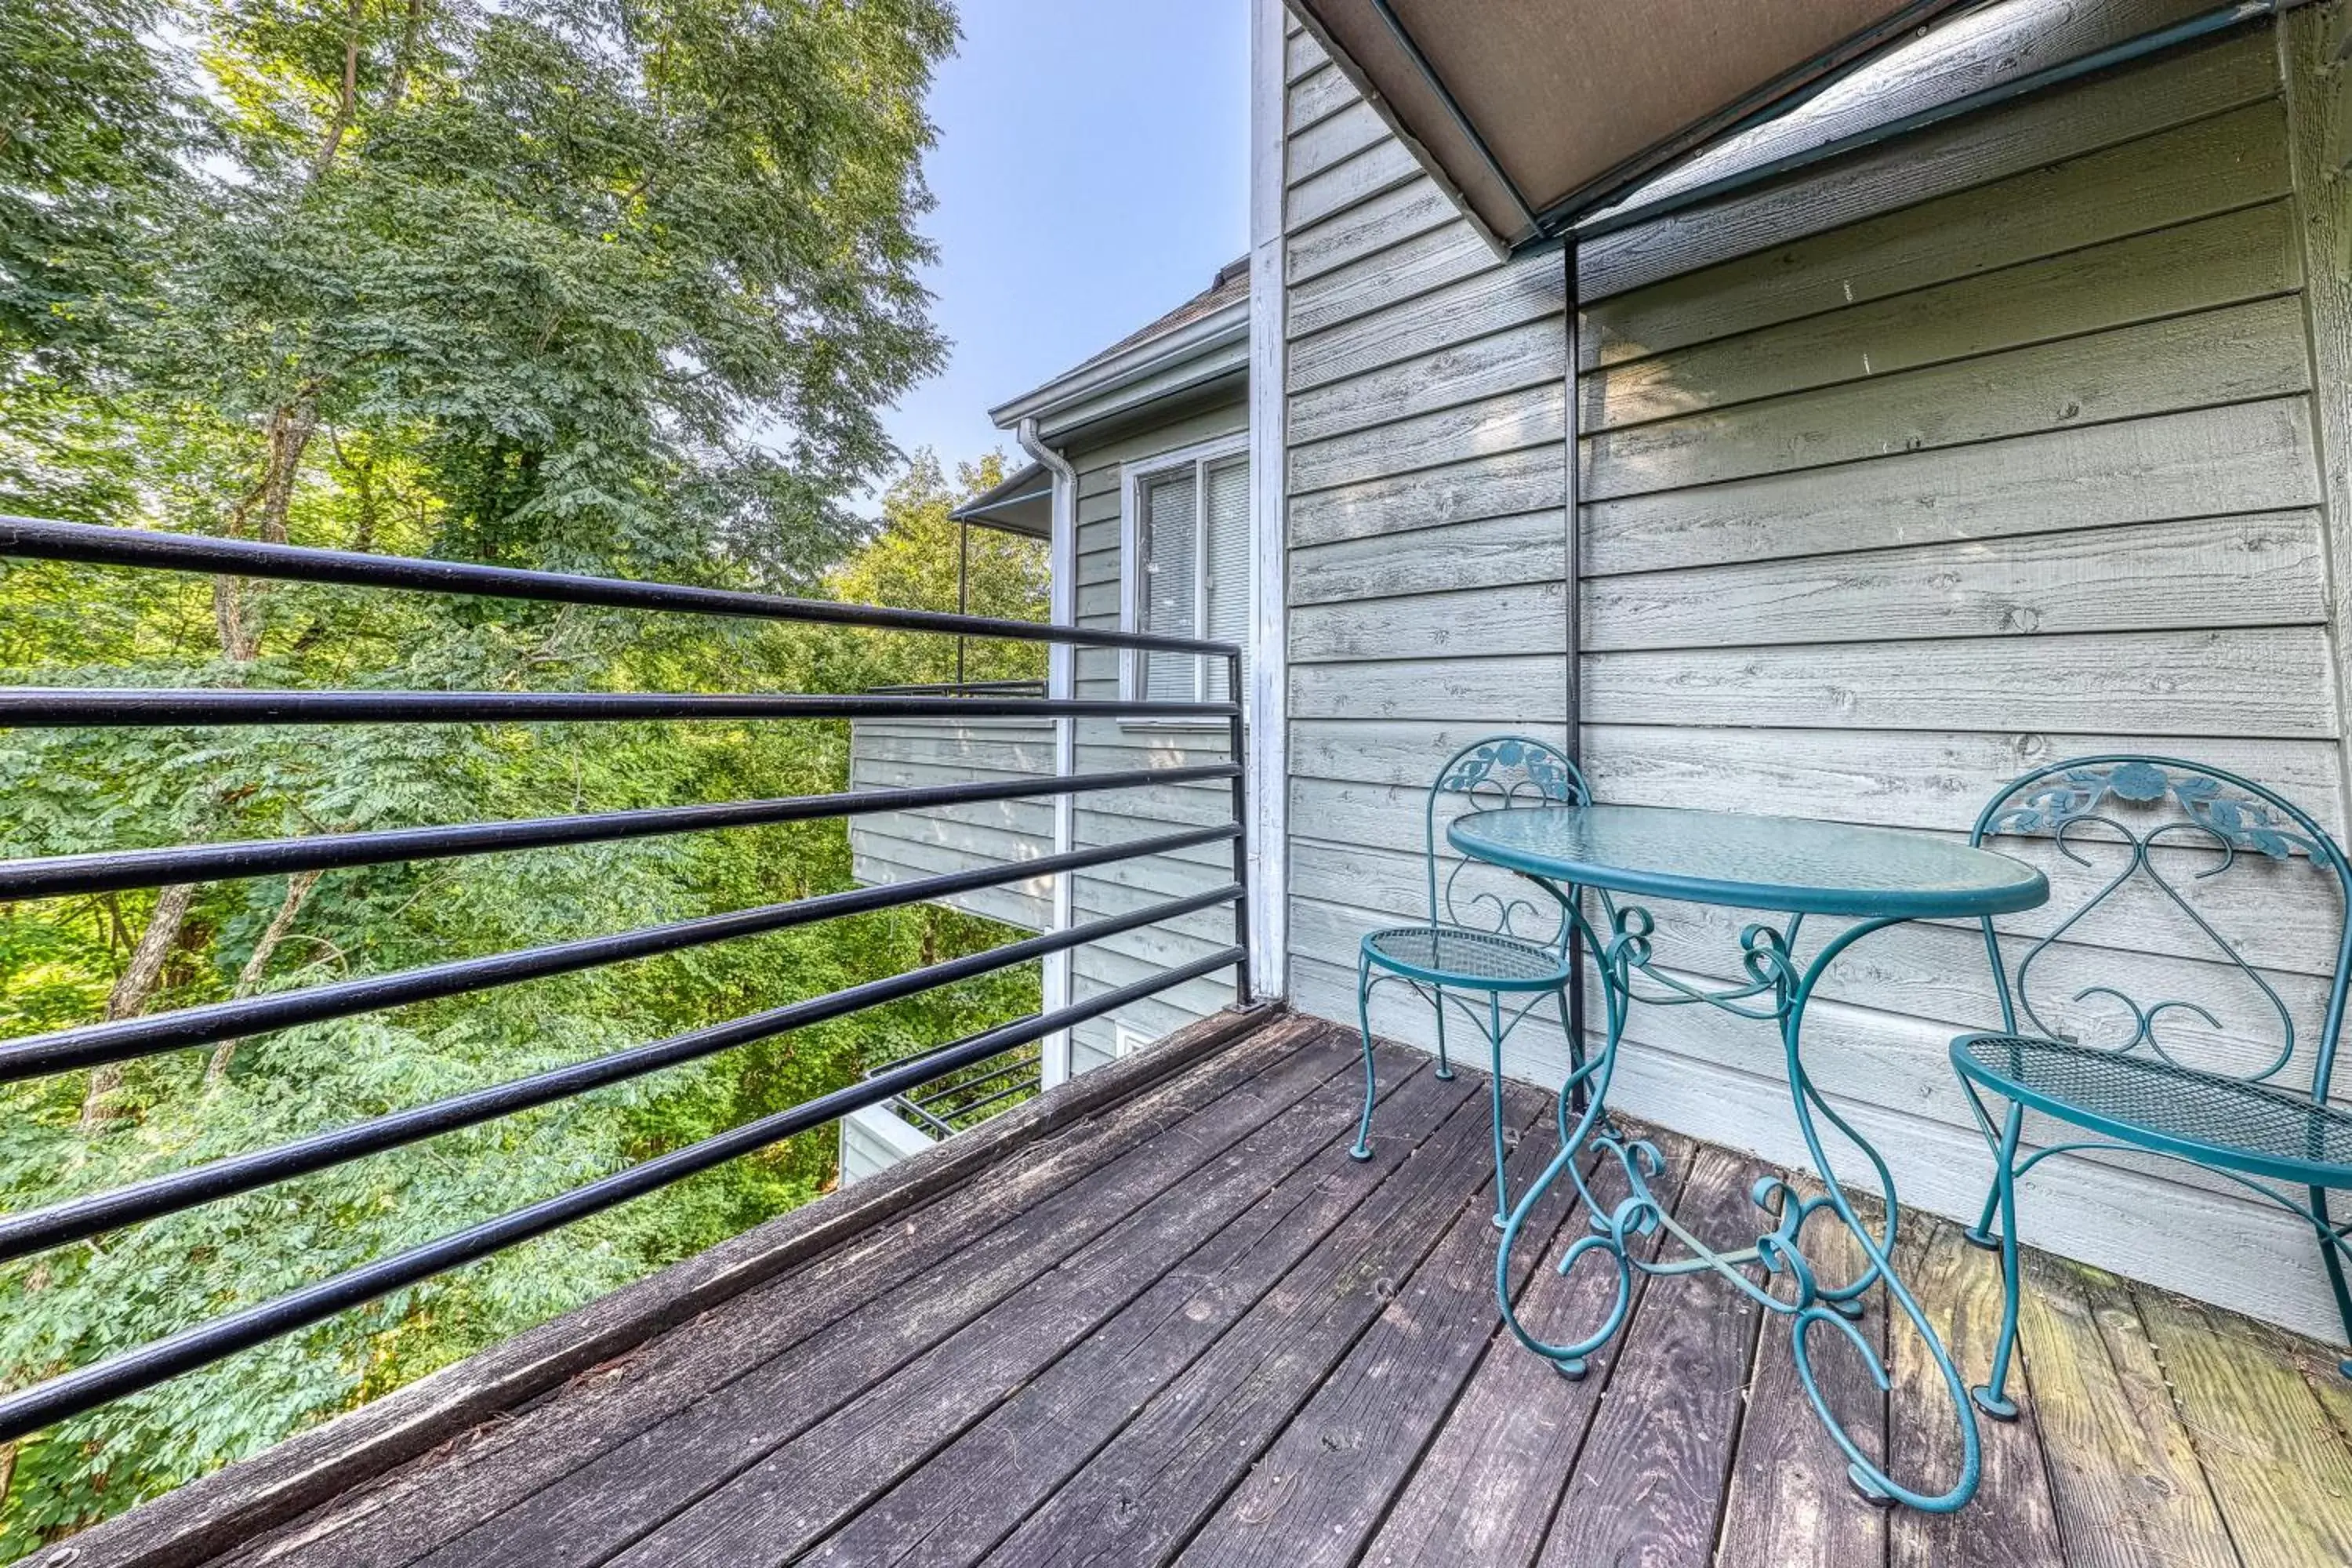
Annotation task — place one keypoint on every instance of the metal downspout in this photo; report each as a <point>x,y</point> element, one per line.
<point>1061,680</point>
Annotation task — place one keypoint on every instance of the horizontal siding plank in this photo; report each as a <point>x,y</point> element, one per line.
<point>2236,355</point>
<point>1901,779</point>
<point>1528,479</point>
<point>1386,278</point>
<point>1535,355</point>
<point>1935,781</point>
<point>2271,682</point>
<point>1528,690</point>
<point>1313,249</point>
<point>1533,288</point>
<point>1971,151</point>
<point>1300,55</point>
<point>2266,570</point>
<point>2206,462</point>
<point>2242,256</point>
<point>1491,553</point>
<point>1332,141</point>
<point>1382,167</point>
<point>1526,618</point>
<point>1495,425</point>
<point>1317,96</point>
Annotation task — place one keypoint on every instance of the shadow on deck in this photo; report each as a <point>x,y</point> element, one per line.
<point>1161,1315</point>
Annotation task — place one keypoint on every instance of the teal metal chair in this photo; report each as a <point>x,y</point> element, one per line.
<point>2247,1099</point>
<point>1510,952</point>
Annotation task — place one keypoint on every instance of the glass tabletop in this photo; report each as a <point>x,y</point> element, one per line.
<point>1791,864</point>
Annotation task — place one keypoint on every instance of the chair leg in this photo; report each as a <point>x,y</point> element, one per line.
<point>1444,1066</point>
<point>2331,1252</point>
<point>1993,1398</point>
<point>1363,1149</point>
<point>1981,1233</point>
<point>1494,1095</point>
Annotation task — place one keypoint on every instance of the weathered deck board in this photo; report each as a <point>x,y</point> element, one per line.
<point>1485,1489</point>
<point>1319,1490</point>
<point>610,1502</point>
<point>1788,1505</point>
<point>1193,1329</point>
<point>1666,1435</point>
<point>979,1488</point>
<point>1153,1487</point>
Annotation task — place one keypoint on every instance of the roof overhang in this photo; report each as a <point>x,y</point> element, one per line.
<point>1021,502</point>
<point>1534,113</point>
<point>1209,349</point>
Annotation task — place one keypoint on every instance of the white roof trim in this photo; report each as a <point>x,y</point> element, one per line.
<point>1213,345</point>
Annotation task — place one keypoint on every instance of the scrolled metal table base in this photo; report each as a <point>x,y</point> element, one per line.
<point>1777,991</point>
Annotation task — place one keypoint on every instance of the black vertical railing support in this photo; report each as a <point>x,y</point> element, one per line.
<point>1237,733</point>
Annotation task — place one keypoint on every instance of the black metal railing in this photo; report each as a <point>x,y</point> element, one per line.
<point>969,688</point>
<point>916,1081</point>
<point>957,1102</point>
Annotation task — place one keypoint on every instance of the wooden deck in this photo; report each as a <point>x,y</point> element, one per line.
<point>1189,1328</point>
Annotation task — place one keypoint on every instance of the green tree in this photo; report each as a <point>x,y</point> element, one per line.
<point>92,127</point>
<point>912,562</point>
<point>592,286</point>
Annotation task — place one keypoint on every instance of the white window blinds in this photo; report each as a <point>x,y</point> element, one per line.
<point>1225,533</point>
<point>1171,585</point>
<point>1194,560</point>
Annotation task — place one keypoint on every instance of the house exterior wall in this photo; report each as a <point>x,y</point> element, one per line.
<point>896,847</point>
<point>1106,745</point>
<point>1992,446</point>
<point>902,846</point>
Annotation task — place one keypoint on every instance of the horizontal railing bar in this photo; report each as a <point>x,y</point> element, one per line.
<point>80,1219</point>
<point>74,1393</point>
<point>934,1127</point>
<point>113,870</point>
<point>965,1086</point>
<point>66,707</point>
<point>38,539</point>
<point>91,1045</point>
<point>1005,1093</point>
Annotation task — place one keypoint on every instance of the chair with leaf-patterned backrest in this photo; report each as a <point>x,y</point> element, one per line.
<point>2147,841</point>
<point>1472,941</point>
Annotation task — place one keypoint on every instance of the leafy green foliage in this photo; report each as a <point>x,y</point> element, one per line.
<point>613,286</point>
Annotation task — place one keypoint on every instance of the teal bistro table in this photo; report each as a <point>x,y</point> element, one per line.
<point>1872,878</point>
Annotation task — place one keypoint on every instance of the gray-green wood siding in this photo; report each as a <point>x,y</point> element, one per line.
<point>900,846</point>
<point>1940,460</point>
<point>1110,745</point>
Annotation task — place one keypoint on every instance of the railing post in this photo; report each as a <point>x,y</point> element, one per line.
<point>1245,992</point>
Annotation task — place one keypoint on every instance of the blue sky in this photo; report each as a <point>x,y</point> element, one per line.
<point>1092,172</point>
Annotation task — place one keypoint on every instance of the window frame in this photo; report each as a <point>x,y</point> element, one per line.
<point>1134,478</point>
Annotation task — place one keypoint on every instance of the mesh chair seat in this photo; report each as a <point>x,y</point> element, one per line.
<point>2157,1104</point>
<point>1457,955</point>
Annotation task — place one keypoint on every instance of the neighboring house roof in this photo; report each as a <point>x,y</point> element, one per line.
<point>1204,339</point>
<point>1231,284</point>
<point>1022,503</point>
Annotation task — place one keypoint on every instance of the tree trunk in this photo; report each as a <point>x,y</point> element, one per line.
<point>248,979</point>
<point>132,993</point>
<point>292,427</point>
